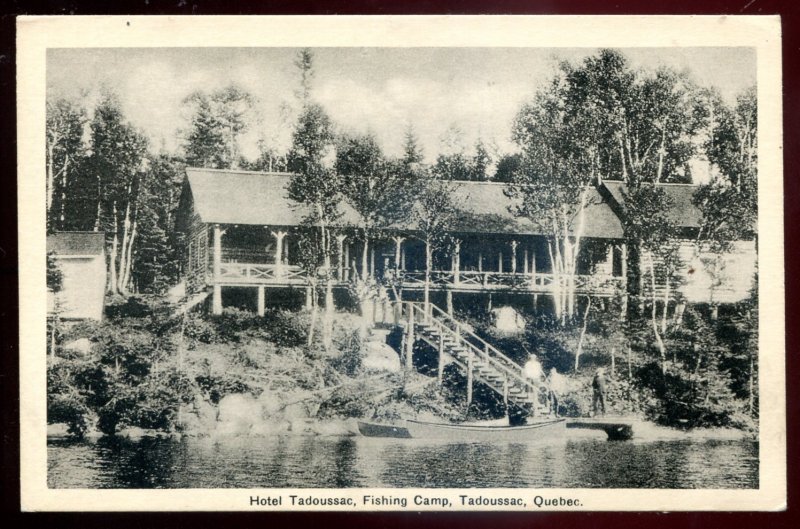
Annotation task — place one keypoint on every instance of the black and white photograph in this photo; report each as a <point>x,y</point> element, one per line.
<point>390,274</point>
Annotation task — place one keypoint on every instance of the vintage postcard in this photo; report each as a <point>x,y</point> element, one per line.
<point>401,263</point>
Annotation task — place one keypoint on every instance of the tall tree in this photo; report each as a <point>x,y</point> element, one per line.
<point>481,161</point>
<point>412,151</point>
<point>218,120</point>
<point>316,185</point>
<point>551,187</point>
<point>380,191</point>
<point>631,124</point>
<point>433,214</point>
<point>65,152</point>
<point>117,163</point>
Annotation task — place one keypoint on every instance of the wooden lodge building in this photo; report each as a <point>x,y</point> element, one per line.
<point>241,233</point>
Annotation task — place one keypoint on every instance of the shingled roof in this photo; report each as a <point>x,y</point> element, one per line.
<point>75,243</point>
<point>683,211</point>
<point>247,197</point>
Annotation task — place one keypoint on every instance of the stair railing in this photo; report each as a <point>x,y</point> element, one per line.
<point>488,353</point>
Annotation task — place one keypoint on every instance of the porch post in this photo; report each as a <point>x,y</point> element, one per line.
<point>347,260</point>
<point>372,261</point>
<point>457,262</point>
<point>260,305</point>
<point>525,262</point>
<point>216,302</point>
<point>449,302</point>
<point>309,293</point>
<point>409,338</point>
<point>398,241</point>
<point>500,262</point>
<point>340,255</point>
<point>480,261</point>
<point>279,235</point>
<point>514,257</point>
<point>533,269</point>
<point>610,259</point>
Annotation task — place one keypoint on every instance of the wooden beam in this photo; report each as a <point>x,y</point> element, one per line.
<point>469,379</point>
<point>514,257</point>
<point>216,301</point>
<point>261,301</point>
<point>441,358</point>
<point>409,338</point>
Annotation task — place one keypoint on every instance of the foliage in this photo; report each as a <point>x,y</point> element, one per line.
<point>218,120</point>
<point>65,154</point>
<point>55,277</point>
<point>729,202</point>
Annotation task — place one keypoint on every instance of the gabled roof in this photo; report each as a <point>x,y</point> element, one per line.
<point>73,243</point>
<point>247,197</point>
<point>485,209</point>
<point>683,211</point>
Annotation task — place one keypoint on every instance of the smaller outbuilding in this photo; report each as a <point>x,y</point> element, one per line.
<point>80,256</point>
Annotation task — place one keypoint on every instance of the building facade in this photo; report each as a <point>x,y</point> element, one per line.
<point>243,232</point>
<point>80,257</point>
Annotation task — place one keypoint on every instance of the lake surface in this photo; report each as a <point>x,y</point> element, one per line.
<point>300,462</point>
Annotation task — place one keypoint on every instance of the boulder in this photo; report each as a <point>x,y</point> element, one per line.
<point>508,320</point>
<point>295,411</point>
<point>271,404</point>
<point>380,356</point>
<point>59,429</point>
<point>239,407</point>
<point>81,345</point>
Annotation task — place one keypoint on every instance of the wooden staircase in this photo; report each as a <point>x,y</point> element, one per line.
<point>479,359</point>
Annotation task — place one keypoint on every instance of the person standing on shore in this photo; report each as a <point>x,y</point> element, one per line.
<point>599,391</point>
<point>533,372</point>
<point>555,386</point>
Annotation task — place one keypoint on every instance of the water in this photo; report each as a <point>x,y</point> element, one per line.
<point>299,462</point>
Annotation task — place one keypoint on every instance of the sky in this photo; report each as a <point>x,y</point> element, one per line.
<point>450,96</point>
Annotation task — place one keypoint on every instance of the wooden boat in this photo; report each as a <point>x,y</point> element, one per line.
<point>546,429</point>
<point>371,429</point>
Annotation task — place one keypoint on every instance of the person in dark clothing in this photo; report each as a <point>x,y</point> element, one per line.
<point>599,398</point>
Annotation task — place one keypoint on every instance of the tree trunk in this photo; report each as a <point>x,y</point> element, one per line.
<point>312,321</point>
<point>112,258</point>
<point>579,351</point>
<point>364,259</point>
<point>428,265</point>
<point>653,318</point>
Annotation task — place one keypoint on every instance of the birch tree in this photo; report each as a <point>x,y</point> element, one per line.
<point>550,188</point>
<point>433,214</point>
<point>65,151</point>
<point>376,188</point>
<point>117,164</point>
<point>315,185</point>
<point>217,122</point>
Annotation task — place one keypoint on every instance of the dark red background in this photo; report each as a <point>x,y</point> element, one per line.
<point>790,13</point>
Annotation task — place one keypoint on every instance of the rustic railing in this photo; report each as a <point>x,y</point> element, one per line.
<point>479,348</point>
<point>261,273</point>
<point>469,279</point>
<point>465,279</point>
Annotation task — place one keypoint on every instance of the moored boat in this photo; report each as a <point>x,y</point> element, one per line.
<point>546,429</point>
<point>371,429</point>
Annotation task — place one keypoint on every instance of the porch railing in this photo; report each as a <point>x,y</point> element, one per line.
<point>473,280</point>
<point>465,280</point>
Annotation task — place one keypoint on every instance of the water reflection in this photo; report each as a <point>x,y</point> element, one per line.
<point>299,462</point>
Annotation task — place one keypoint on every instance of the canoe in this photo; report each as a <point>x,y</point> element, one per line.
<point>371,429</point>
<point>546,429</point>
